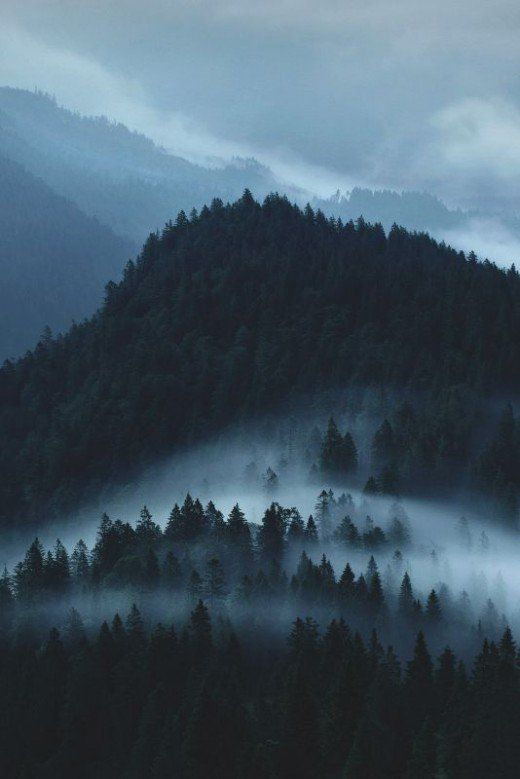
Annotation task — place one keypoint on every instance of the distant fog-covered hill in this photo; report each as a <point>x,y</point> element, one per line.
<point>413,210</point>
<point>118,176</point>
<point>132,185</point>
<point>54,260</point>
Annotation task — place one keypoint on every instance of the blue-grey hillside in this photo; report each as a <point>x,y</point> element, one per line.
<point>118,176</point>
<point>54,260</point>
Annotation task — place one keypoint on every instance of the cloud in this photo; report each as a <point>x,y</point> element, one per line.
<point>331,95</point>
<point>479,136</point>
<point>82,84</point>
<point>488,237</point>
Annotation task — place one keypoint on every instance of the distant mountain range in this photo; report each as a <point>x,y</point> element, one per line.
<point>118,176</point>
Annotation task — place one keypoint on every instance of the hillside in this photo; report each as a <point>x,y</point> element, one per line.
<point>118,176</point>
<point>132,185</point>
<point>413,210</point>
<point>232,313</point>
<point>54,260</point>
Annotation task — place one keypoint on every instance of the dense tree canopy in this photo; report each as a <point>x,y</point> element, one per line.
<point>239,686</point>
<point>232,312</point>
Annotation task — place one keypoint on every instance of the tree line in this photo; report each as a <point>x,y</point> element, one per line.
<point>199,700</point>
<point>282,566</point>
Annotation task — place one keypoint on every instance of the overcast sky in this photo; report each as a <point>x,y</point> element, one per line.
<point>333,93</point>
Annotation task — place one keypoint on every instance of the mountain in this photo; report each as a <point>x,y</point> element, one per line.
<point>129,183</point>
<point>234,312</point>
<point>118,176</point>
<point>54,260</point>
<point>413,210</point>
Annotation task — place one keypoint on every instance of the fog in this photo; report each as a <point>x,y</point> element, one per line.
<point>408,96</point>
<point>489,237</point>
<point>463,553</point>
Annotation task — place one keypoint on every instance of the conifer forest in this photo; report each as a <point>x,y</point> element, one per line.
<point>259,390</point>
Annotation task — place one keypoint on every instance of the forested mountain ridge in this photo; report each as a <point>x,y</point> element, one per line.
<point>234,311</point>
<point>228,314</point>
<point>54,260</point>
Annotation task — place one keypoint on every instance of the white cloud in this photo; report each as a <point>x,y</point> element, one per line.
<point>475,135</point>
<point>82,84</point>
<point>488,237</point>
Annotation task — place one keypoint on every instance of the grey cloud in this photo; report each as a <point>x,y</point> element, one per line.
<point>401,95</point>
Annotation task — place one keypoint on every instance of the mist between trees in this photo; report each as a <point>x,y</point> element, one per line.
<point>287,628</point>
<point>292,647</point>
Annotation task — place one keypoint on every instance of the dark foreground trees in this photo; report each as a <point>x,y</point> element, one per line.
<point>196,700</point>
<point>211,673</point>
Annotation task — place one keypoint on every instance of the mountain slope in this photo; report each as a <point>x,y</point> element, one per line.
<point>233,313</point>
<point>118,176</point>
<point>129,183</point>
<point>54,260</point>
<point>413,210</point>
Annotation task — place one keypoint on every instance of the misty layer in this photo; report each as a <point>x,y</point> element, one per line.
<point>222,690</point>
<point>363,560</point>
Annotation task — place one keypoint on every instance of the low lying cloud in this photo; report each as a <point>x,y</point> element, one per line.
<point>489,238</point>
<point>479,136</point>
<point>82,84</point>
<point>328,97</point>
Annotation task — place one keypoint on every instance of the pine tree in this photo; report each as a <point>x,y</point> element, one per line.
<point>79,564</point>
<point>174,527</point>
<point>29,575</point>
<point>376,598</point>
<point>433,609</point>
<point>323,515</point>
<point>311,533</point>
<point>371,487</point>
<point>239,533</point>
<point>271,535</point>
<point>405,598</point>
<point>338,456</point>
<point>271,481</point>
<point>296,529</point>
<point>389,480</point>
<point>215,582</point>
<point>171,572</point>
<point>146,529</point>
<point>60,569</point>
<point>419,684</point>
